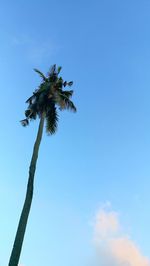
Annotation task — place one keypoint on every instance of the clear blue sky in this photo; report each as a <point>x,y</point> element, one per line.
<point>100,154</point>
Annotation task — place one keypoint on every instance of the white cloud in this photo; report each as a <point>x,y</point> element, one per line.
<point>106,223</point>
<point>113,247</point>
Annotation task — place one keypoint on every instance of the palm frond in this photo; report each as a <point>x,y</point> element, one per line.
<point>31,99</point>
<point>69,105</point>
<point>62,99</point>
<point>52,70</point>
<point>59,83</point>
<point>40,74</point>
<point>28,112</point>
<point>59,69</point>
<point>67,94</point>
<point>70,83</point>
<point>24,122</point>
<point>31,114</point>
<point>43,87</point>
<point>51,120</point>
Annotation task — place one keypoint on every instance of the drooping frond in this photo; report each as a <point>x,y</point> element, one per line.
<point>40,74</point>
<point>51,120</point>
<point>31,114</point>
<point>30,99</point>
<point>67,94</point>
<point>63,101</point>
<point>69,105</point>
<point>27,112</point>
<point>24,122</point>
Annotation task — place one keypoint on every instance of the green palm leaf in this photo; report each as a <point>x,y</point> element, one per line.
<point>40,74</point>
<point>24,122</point>
<point>69,105</point>
<point>63,101</point>
<point>59,69</point>
<point>30,99</point>
<point>51,120</point>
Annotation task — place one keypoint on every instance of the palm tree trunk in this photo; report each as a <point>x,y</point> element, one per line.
<point>16,251</point>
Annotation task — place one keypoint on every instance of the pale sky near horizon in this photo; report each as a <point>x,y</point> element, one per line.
<point>93,176</point>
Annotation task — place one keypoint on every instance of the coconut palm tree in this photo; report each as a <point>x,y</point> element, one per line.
<point>43,104</point>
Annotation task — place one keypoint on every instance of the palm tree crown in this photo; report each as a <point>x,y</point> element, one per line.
<point>49,96</point>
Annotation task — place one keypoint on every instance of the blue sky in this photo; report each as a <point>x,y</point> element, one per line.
<point>99,156</point>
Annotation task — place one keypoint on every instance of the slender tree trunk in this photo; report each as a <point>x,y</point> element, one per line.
<point>16,251</point>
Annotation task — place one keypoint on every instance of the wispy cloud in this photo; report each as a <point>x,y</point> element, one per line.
<point>113,246</point>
